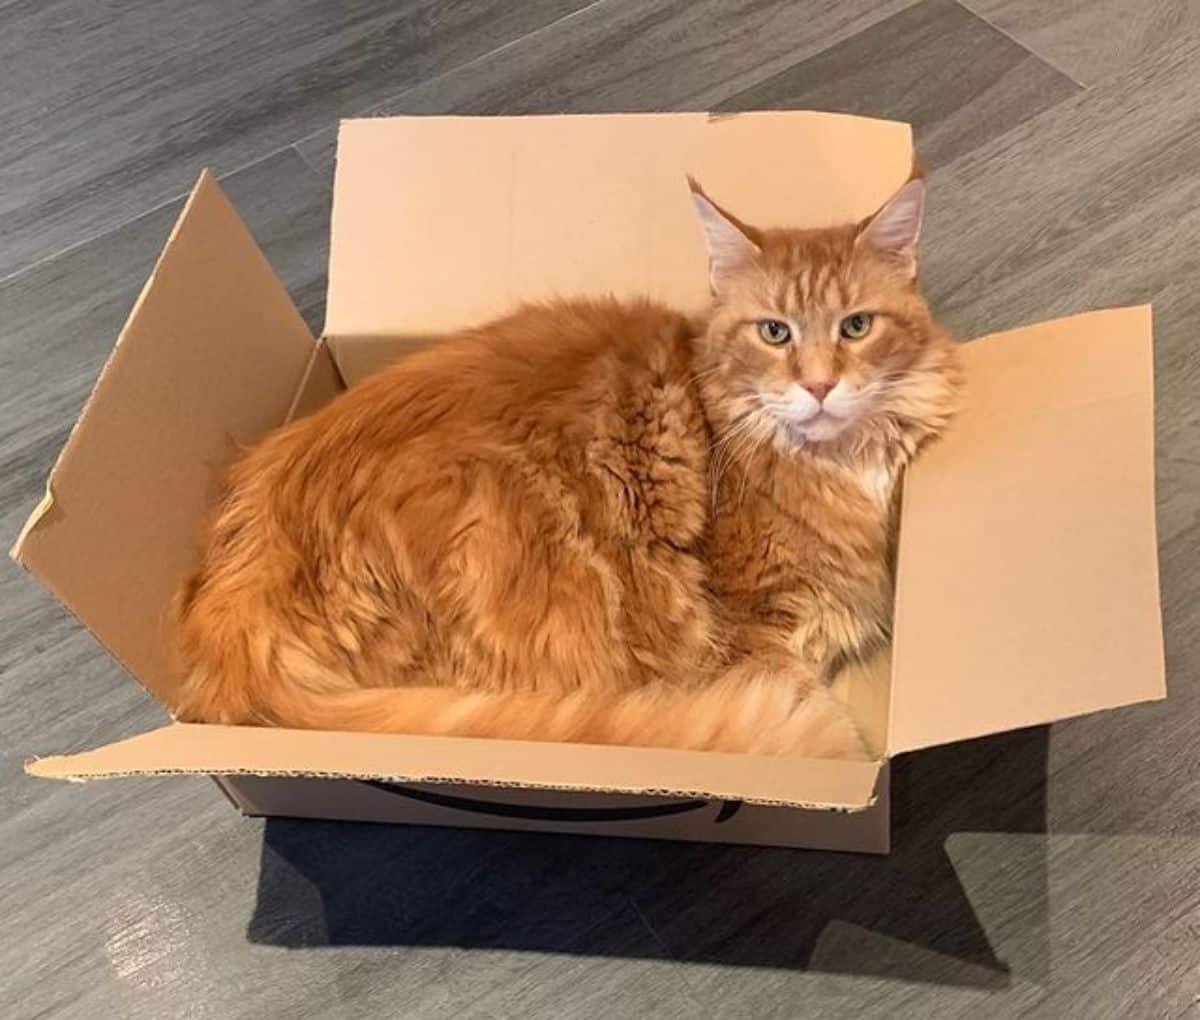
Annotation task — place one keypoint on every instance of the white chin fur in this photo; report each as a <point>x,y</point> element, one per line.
<point>821,429</point>
<point>806,420</point>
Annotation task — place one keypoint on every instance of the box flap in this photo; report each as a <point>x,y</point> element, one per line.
<point>442,222</point>
<point>235,750</point>
<point>1027,580</point>
<point>208,361</point>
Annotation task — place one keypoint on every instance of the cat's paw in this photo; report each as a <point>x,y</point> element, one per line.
<point>831,635</point>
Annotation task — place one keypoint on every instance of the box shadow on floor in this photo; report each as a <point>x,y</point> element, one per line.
<point>334,883</point>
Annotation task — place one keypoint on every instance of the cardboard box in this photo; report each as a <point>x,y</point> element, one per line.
<point>1027,585</point>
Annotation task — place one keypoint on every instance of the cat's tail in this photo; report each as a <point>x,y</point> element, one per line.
<point>761,716</point>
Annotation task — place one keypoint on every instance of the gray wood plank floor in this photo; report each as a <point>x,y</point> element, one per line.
<point>1053,872</point>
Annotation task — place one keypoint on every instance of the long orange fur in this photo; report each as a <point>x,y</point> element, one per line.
<point>590,521</point>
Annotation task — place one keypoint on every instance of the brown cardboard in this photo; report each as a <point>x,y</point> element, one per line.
<point>692,819</point>
<point>358,357</point>
<point>321,383</point>
<point>1027,580</point>
<point>234,750</point>
<point>208,362</point>
<point>1005,616</point>
<point>546,206</point>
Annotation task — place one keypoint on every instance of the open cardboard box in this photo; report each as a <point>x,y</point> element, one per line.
<point>1027,585</point>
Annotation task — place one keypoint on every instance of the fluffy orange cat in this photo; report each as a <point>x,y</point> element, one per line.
<point>592,521</point>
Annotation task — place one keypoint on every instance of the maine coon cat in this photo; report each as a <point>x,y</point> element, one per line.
<point>592,520</point>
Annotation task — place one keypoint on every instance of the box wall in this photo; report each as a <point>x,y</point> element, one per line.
<point>593,814</point>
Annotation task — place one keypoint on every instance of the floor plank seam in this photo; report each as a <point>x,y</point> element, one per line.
<point>295,143</point>
<point>649,927</point>
<point>45,260</point>
<point>1024,45</point>
<point>771,75</point>
<point>375,109</point>
<point>157,207</point>
<point>295,147</point>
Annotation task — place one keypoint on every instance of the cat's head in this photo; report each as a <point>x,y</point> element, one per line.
<point>821,339</point>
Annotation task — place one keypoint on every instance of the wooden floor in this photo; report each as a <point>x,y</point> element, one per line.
<point>1049,873</point>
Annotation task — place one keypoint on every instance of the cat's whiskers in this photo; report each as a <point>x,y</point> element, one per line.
<point>722,457</point>
<point>756,444</point>
<point>723,449</point>
<point>739,442</point>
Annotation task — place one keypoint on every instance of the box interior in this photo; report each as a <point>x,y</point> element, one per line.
<point>440,222</point>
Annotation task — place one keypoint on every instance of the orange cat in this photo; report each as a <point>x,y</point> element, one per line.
<point>592,521</point>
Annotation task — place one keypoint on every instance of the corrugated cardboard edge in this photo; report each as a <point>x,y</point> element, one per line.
<point>188,749</point>
<point>44,506</point>
<point>48,768</point>
<point>47,501</point>
<point>59,767</point>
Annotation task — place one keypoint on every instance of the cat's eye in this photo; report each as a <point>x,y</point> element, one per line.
<point>856,326</point>
<point>774,332</point>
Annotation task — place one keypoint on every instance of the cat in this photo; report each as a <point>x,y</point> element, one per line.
<point>592,520</point>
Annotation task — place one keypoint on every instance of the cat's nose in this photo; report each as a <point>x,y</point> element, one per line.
<point>820,389</point>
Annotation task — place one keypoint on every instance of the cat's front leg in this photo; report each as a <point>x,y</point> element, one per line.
<point>829,632</point>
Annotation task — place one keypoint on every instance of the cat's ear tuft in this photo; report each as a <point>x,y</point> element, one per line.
<point>896,228</point>
<point>730,248</point>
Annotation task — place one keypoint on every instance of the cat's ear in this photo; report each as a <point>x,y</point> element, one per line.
<point>730,248</point>
<point>896,228</point>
